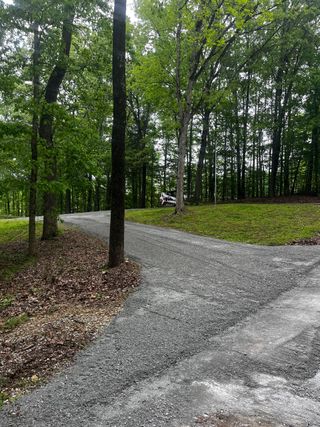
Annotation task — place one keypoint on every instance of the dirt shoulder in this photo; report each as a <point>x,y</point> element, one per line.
<point>54,307</point>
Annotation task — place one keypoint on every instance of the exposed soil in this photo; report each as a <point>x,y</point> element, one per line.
<point>54,307</point>
<point>230,420</point>
<point>315,240</point>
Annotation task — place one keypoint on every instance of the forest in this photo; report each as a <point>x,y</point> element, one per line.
<point>223,102</point>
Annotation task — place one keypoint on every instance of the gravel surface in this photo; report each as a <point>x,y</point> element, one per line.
<point>215,327</point>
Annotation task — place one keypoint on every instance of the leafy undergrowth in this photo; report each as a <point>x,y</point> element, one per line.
<point>264,224</point>
<point>54,307</point>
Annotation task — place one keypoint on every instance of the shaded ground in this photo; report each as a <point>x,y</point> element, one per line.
<point>53,307</point>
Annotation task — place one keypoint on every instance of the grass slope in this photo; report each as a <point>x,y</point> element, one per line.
<point>265,224</point>
<point>14,232</point>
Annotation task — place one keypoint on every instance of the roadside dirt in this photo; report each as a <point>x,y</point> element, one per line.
<point>230,420</point>
<point>54,307</point>
<point>282,199</point>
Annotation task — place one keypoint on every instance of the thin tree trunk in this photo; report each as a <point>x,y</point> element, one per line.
<point>34,142</point>
<point>238,152</point>
<point>189,165</point>
<point>90,194</point>
<point>143,185</point>
<point>116,241</point>
<point>245,134</point>
<point>165,167</point>
<point>224,178</point>
<point>97,195</point>
<point>202,153</point>
<point>68,201</point>
<point>293,188</point>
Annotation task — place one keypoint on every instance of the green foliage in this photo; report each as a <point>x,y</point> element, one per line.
<point>255,47</point>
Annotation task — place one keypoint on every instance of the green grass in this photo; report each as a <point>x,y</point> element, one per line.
<point>12,260</point>
<point>264,224</point>
<point>3,397</point>
<point>14,321</point>
<point>6,302</point>
<point>13,229</point>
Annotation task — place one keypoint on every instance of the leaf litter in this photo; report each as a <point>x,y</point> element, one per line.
<point>64,298</point>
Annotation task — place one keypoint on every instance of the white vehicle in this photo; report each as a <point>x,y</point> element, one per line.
<point>168,199</point>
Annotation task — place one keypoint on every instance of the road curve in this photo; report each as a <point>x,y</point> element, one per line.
<point>215,327</point>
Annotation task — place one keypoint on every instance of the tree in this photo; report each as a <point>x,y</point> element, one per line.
<point>50,211</point>
<point>34,140</point>
<point>116,241</point>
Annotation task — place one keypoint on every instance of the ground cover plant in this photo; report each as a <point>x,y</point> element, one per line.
<point>263,224</point>
<point>54,305</point>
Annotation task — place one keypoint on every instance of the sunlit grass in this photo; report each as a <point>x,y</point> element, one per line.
<point>265,224</point>
<point>12,231</point>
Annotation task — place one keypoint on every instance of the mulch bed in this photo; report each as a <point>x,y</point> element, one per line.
<point>54,307</point>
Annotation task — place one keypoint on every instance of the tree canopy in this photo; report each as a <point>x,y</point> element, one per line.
<point>223,100</point>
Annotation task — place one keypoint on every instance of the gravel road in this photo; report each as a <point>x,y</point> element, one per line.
<point>216,329</point>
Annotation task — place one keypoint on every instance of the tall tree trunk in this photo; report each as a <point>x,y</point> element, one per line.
<point>97,195</point>
<point>202,153</point>
<point>232,164</point>
<point>245,134</point>
<point>68,201</point>
<point>90,194</point>
<point>238,153</point>
<point>165,166</point>
<point>189,165</point>
<point>34,142</point>
<point>296,173</point>
<point>279,116</point>
<point>224,179</point>
<point>185,107</point>
<point>182,143</point>
<point>116,241</point>
<point>143,185</point>
<point>108,191</point>
<point>50,214</point>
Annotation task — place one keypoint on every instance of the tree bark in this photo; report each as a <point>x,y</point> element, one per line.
<point>189,162</point>
<point>143,185</point>
<point>202,153</point>
<point>97,195</point>
<point>34,142</point>
<point>68,203</point>
<point>116,241</point>
<point>50,214</point>
<point>245,134</point>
